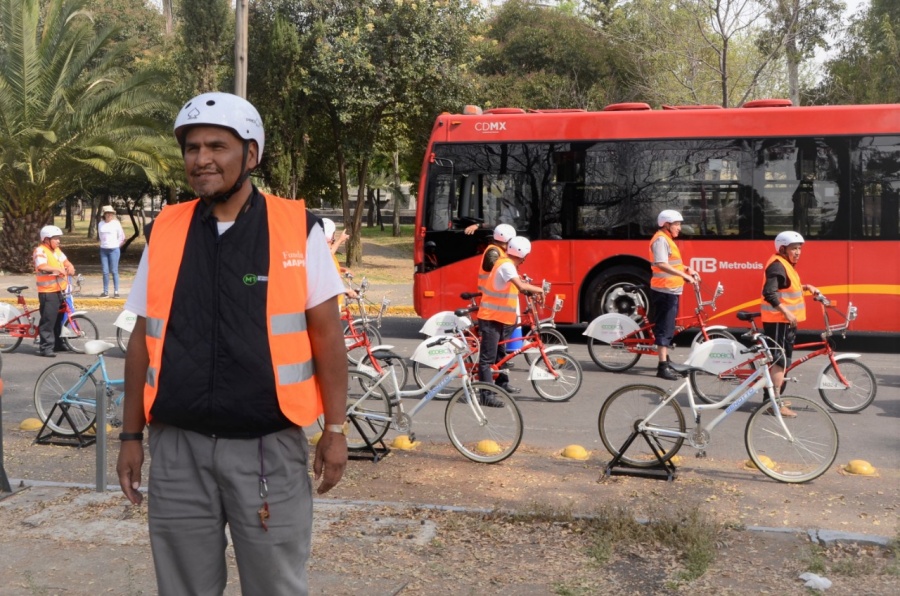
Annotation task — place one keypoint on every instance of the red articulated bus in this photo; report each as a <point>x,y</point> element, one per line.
<point>586,187</point>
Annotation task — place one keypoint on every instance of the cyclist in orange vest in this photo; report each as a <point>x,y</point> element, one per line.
<point>329,227</point>
<point>234,351</point>
<point>499,311</point>
<point>51,268</point>
<point>783,306</point>
<point>666,284</point>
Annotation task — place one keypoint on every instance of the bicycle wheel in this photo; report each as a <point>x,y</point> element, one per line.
<point>369,410</point>
<point>611,357</point>
<point>843,398</point>
<point>710,388</point>
<point>122,338</point>
<point>9,315</point>
<point>565,384</point>
<point>799,450</point>
<point>619,418</point>
<point>354,355</point>
<point>549,337</point>
<point>387,360</point>
<point>714,334</point>
<point>423,374</point>
<point>81,391</point>
<point>84,329</point>
<point>483,434</point>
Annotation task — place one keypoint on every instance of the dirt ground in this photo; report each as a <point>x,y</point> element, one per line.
<point>439,524</point>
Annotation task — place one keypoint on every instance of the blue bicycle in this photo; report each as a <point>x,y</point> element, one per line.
<point>78,388</point>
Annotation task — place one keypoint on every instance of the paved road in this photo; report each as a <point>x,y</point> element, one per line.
<point>871,435</point>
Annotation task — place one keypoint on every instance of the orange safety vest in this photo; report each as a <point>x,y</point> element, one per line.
<point>483,275</point>
<point>791,296</point>
<point>48,282</point>
<point>299,396</point>
<point>661,279</point>
<point>499,305</point>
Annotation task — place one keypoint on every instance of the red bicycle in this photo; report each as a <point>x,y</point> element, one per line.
<point>845,384</point>
<point>18,322</point>
<point>616,342</point>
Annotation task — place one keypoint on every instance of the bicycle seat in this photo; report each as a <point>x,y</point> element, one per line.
<point>744,315</point>
<point>97,346</point>
<point>684,369</point>
<point>470,295</point>
<point>461,312</point>
<point>16,289</point>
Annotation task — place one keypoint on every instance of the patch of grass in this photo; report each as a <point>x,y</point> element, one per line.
<point>815,561</point>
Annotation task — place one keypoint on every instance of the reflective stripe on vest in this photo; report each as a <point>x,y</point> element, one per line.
<point>483,275</point>
<point>48,282</point>
<point>499,305</point>
<point>299,397</point>
<point>661,279</point>
<point>791,297</point>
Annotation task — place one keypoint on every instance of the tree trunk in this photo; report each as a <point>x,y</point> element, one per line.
<point>69,226</point>
<point>370,207</point>
<point>19,238</point>
<point>398,195</point>
<point>354,245</point>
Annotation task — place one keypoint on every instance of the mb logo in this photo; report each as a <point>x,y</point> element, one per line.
<point>704,264</point>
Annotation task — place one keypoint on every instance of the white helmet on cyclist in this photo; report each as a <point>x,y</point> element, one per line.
<point>787,238</point>
<point>504,233</point>
<point>668,216</point>
<point>50,232</point>
<point>519,246</point>
<point>222,109</point>
<point>329,228</point>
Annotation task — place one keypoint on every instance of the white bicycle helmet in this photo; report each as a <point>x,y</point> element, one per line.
<point>329,228</point>
<point>787,238</point>
<point>504,233</point>
<point>668,216</point>
<point>519,246</point>
<point>225,110</point>
<point>50,232</point>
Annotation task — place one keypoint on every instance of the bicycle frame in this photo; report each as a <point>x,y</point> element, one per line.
<point>623,332</point>
<point>23,326</point>
<point>731,402</point>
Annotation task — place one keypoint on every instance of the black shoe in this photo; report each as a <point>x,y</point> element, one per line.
<point>664,372</point>
<point>488,400</point>
<point>508,365</point>
<point>104,295</point>
<point>61,349</point>
<point>47,354</point>
<point>510,389</point>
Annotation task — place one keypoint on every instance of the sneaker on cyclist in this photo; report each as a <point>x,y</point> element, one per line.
<point>510,389</point>
<point>786,411</point>
<point>104,295</point>
<point>489,400</point>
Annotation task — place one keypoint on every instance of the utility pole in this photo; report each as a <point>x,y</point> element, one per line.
<point>241,24</point>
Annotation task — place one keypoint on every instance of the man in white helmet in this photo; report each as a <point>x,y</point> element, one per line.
<point>783,306</point>
<point>496,250</point>
<point>499,311</point>
<point>333,245</point>
<point>669,273</point>
<point>231,356</point>
<point>52,270</point>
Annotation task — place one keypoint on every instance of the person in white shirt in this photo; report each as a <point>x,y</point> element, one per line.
<point>112,237</point>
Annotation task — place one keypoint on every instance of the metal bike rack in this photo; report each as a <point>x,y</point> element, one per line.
<point>370,451</point>
<point>663,470</point>
<point>48,436</point>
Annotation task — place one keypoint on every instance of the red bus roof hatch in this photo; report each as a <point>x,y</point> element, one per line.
<point>768,103</point>
<point>624,107</point>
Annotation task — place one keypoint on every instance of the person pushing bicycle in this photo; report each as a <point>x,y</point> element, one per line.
<point>52,269</point>
<point>783,306</point>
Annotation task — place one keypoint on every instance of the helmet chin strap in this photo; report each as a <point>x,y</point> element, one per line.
<point>238,184</point>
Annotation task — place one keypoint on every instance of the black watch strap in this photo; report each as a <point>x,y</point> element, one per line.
<point>131,436</point>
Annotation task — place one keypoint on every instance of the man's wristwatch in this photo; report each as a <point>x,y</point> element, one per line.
<point>131,436</point>
<point>335,428</point>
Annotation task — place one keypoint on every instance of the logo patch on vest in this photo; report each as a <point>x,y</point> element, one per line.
<point>251,279</point>
<point>293,259</point>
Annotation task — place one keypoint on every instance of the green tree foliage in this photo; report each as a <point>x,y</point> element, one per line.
<point>544,57</point>
<point>70,117</point>
<point>207,51</point>
<point>366,72</point>
<point>137,25</point>
<point>867,69</point>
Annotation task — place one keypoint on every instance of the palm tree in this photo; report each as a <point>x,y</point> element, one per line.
<point>69,116</point>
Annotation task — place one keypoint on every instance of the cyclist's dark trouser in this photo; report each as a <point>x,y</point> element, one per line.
<point>51,320</point>
<point>785,334</point>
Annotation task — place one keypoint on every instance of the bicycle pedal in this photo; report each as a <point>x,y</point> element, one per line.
<point>701,454</point>
<point>412,437</point>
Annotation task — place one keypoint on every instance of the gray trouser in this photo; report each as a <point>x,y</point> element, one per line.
<point>200,483</point>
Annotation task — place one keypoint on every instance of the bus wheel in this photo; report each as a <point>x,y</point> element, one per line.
<point>606,293</point>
